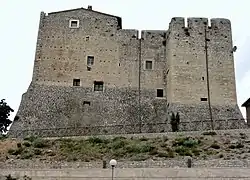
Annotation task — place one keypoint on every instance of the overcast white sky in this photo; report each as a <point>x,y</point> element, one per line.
<point>20,18</point>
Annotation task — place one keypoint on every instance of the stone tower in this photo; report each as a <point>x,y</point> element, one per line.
<point>93,77</point>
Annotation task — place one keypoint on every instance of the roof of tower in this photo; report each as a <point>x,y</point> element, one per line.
<point>119,19</point>
<point>246,104</point>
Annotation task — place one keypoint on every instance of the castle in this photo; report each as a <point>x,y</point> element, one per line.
<point>93,77</point>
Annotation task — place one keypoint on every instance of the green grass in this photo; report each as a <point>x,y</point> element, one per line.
<point>121,148</point>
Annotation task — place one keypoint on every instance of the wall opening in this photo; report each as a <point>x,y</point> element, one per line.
<point>86,103</point>
<point>98,85</point>
<point>203,99</point>
<point>159,92</point>
<point>76,82</point>
<point>149,65</point>
<point>90,60</point>
<point>74,23</point>
<point>203,78</point>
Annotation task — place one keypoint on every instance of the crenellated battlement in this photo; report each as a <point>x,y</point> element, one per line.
<point>194,22</point>
<point>178,23</point>
<point>220,23</point>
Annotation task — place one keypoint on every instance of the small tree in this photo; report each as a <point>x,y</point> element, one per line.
<point>5,111</point>
<point>175,121</point>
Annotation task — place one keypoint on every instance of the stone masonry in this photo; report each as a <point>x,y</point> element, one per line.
<point>93,77</point>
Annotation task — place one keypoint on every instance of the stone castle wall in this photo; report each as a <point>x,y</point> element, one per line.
<point>188,63</point>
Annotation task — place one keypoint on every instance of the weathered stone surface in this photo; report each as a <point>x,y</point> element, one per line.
<point>192,65</point>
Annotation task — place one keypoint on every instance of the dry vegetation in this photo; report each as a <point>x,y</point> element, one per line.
<point>208,145</point>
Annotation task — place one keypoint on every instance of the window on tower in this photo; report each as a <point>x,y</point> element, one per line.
<point>149,65</point>
<point>76,82</point>
<point>98,86</point>
<point>90,60</point>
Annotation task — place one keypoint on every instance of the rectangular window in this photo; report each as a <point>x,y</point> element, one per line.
<point>149,65</point>
<point>90,60</point>
<point>74,23</point>
<point>159,92</point>
<point>98,86</point>
<point>203,99</point>
<point>76,82</point>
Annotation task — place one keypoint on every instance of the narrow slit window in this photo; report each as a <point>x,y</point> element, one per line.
<point>98,86</point>
<point>90,60</point>
<point>149,65</point>
<point>76,82</point>
<point>203,99</point>
<point>159,92</point>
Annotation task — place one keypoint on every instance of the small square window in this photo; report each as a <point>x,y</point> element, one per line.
<point>98,86</point>
<point>149,65</point>
<point>74,23</point>
<point>76,82</point>
<point>90,60</point>
<point>159,92</point>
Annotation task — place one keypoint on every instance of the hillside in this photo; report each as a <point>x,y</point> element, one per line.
<point>200,146</point>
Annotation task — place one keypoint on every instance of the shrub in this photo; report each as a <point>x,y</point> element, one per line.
<point>221,155</point>
<point>3,137</point>
<point>182,151</point>
<point>19,145</point>
<point>143,139</point>
<point>26,155</point>
<point>139,148</point>
<point>27,143</point>
<point>165,138</point>
<point>162,154</point>
<point>15,151</point>
<point>39,143</point>
<point>186,141</point>
<point>37,152</point>
<point>118,144</point>
<point>30,138</point>
<point>232,146</point>
<point>196,152</point>
<point>175,121</point>
<point>95,140</point>
<point>209,133</point>
<point>239,145</point>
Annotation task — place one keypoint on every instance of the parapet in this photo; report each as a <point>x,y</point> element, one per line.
<point>178,23</point>
<point>146,34</point>
<point>128,33</point>
<point>220,23</point>
<point>194,22</point>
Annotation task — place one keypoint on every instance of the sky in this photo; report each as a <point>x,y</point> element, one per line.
<point>20,19</point>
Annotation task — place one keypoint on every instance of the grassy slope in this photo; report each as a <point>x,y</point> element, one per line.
<point>204,146</point>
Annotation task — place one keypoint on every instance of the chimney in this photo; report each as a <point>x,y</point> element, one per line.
<point>89,7</point>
